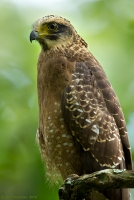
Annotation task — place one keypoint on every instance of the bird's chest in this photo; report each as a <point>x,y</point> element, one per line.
<point>60,149</point>
<point>60,152</point>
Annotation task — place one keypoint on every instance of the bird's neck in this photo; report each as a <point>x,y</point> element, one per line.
<point>76,49</point>
<point>54,74</point>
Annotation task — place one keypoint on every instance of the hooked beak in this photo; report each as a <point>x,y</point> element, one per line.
<point>33,35</point>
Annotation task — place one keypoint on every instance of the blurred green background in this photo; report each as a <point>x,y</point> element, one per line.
<point>108,28</point>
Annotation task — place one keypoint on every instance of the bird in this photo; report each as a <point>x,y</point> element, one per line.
<point>81,127</point>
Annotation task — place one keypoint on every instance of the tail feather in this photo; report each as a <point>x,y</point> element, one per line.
<point>118,194</point>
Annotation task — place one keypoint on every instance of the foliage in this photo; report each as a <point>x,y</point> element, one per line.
<point>108,27</point>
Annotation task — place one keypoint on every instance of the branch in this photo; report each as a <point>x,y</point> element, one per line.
<point>77,187</point>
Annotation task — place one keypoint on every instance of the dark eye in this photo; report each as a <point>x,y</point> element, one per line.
<point>53,27</point>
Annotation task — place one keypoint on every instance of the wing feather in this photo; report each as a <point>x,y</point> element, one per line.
<point>94,116</point>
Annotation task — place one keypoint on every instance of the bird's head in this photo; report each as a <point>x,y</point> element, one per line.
<point>52,31</point>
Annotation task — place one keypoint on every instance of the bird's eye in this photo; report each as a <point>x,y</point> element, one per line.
<point>53,27</point>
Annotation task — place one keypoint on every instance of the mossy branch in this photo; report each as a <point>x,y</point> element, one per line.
<point>77,187</point>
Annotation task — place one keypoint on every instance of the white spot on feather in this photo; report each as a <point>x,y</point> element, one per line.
<point>59,165</point>
<point>71,86</point>
<point>88,120</point>
<point>86,149</point>
<point>37,133</point>
<point>67,163</point>
<point>58,145</point>
<point>119,158</point>
<point>79,110</point>
<point>77,80</point>
<point>65,143</point>
<point>115,164</point>
<point>64,135</point>
<point>95,128</point>
<point>92,138</point>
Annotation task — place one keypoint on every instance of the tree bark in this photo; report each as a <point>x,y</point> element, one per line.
<point>78,187</point>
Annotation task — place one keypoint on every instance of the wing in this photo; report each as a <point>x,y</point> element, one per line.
<point>93,114</point>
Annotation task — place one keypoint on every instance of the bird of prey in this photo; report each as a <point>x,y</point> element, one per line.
<point>81,124</point>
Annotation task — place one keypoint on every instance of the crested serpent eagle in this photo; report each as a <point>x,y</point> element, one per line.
<point>81,124</point>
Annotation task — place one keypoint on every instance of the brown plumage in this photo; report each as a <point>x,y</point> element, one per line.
<point>81,124</point>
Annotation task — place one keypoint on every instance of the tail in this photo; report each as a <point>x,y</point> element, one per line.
<point>118,194</point>
<point>111,194</point>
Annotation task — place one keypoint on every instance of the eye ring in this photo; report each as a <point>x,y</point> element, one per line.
<point>52,26</point>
